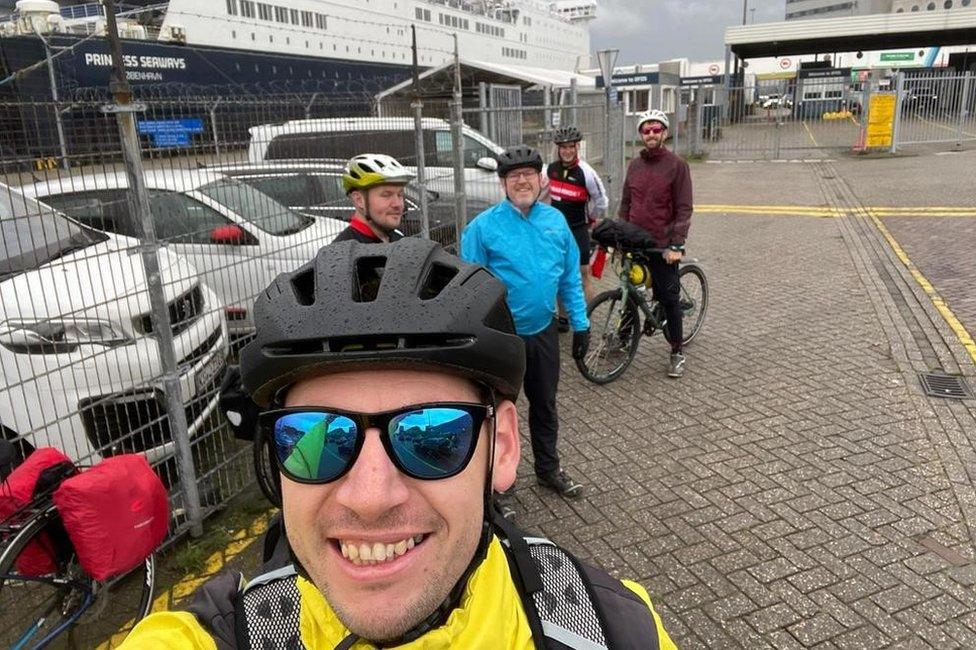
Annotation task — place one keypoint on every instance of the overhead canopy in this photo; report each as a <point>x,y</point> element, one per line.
<point>849,34</point>
<point>439,81</point>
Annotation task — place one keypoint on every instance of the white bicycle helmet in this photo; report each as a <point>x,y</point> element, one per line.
<point>653,116</point>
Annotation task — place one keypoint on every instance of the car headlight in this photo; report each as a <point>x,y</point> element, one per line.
<point>60,336</point>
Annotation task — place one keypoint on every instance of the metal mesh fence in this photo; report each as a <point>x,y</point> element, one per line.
<point>936,108</point>
<point>242,185</point>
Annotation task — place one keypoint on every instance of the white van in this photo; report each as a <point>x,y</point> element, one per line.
<point>339,139</point>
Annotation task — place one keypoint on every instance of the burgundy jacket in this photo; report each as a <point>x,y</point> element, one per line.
<point>657,196</point>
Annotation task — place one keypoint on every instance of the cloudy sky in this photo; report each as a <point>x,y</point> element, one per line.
<point>648,31</point>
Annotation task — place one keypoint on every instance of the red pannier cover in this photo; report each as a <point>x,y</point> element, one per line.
<point>38,557</point>
<point>116,514</point>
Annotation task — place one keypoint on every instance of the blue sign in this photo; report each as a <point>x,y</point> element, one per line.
<point>171,133</point>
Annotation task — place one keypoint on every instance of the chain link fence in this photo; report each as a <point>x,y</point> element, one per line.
<point>121,308</point>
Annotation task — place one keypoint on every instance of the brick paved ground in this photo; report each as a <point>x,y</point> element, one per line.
<point>794,489</point>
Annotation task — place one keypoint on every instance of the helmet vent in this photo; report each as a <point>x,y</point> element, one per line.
<point>369,275</point>
<point>367,167</point>
<point>500,318</point>
<point>303,284</point>
<point>438,277</point>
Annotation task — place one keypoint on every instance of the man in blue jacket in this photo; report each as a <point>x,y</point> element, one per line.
<point>528,246</point>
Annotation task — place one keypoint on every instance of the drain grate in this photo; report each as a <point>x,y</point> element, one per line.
<point>948,386</point>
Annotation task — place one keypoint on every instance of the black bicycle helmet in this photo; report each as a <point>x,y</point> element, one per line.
<point>383,306</point>
<point>566,134</point>
<point>518,156</point>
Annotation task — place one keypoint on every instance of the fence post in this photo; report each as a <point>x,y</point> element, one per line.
<point>899,101</point>
<point>547,111</point>
<point>483,105</point>
<point>615,156</point>
<point>418,128</point>
<point>308,106</point>
<point>698,127</point>
<point>457,143</point>
<point>213,126</point>
<point>573,101</point>
<point>963,111</point>
<point>138,199</point>
<point>58,121</point>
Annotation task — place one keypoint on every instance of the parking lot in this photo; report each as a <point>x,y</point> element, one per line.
<point>795,488</point>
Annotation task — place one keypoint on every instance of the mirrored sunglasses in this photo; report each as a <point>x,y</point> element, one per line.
<point>652,128</point>
<point>427,441</point>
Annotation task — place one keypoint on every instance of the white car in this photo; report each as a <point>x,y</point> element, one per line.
<point>78,369</point>
<point>238,238</point>
<point>339,139</point>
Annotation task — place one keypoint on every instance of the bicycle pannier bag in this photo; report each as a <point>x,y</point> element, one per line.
<point>116,514</point>
<point>613,233</point>
<point>38,557</point>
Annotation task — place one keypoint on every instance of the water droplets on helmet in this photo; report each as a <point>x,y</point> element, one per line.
<point>407,304</point>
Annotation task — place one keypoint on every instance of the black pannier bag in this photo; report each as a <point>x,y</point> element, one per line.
<point>613,233</point>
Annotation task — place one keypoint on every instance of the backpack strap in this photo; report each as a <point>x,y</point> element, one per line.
<point>574,607</point>
<point>268,612</point>
<point>555,592</point>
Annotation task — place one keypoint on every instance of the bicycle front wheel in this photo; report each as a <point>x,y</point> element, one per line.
<point>693,300</point>
<point>615,331</point>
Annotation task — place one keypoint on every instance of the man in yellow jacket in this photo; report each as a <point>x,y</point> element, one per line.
<point>387,377</point>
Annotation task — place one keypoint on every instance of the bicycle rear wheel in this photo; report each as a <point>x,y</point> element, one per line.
<point>66,603</point>
<point>615,331</point>
<point>265,469</point>
<point>35,609</point>
<point>693,300</point>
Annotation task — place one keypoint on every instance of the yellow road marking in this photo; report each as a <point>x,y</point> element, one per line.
<point>957,327</point>
<point>188,584</point>
<point>810,133</point>
<point>823,211</point>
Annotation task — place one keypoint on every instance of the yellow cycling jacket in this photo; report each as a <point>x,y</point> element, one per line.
<point>490,617</point>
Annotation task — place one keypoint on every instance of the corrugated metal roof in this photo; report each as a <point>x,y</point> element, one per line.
<point>871,25</point>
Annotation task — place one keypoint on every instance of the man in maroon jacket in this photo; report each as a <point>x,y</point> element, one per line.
<point>657,197</point>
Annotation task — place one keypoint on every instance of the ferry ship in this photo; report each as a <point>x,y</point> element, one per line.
<point>341,46</point>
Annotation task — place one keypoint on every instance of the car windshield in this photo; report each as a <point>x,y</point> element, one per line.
<point>255,206</point>
<point>32,234</point>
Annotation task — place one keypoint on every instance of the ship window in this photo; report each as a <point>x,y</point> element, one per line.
<point>294,16</point>
<point>264,11</point>
<point>253,36</point>
<point>233,33</point>
<point>306,19</point>
<point>281,14</point>
<point>232,7</point>
<point>288,40</point>
<point>419,13</point>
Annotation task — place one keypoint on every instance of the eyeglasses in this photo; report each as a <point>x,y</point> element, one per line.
<point>427,441</point>
<point>652,128</point>
<point>527,174</point>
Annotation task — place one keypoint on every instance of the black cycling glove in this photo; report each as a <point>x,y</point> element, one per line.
<point>581,343</point>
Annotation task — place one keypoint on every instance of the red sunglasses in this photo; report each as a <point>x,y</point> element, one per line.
<point>652,128</point>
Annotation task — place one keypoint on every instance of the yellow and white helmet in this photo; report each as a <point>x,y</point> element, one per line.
<point>371,169</point>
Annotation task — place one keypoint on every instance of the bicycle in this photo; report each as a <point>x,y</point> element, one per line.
<point>615,315</point>
<point>37,609</point>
